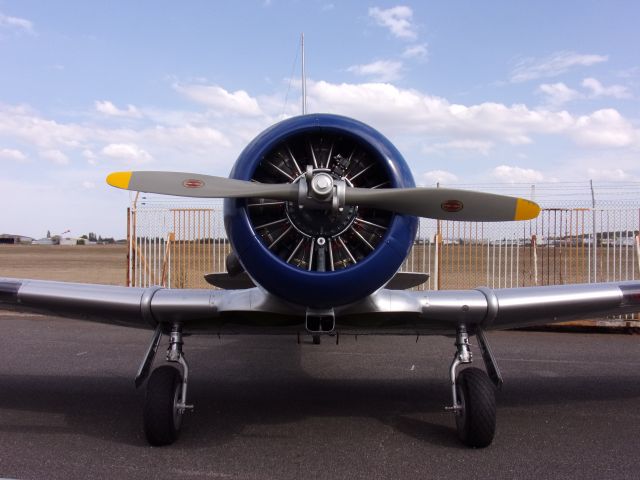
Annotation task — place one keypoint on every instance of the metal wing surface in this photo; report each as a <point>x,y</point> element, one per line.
<point>385,311</point>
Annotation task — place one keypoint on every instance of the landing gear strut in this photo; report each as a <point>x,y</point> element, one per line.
<point>473,394</point>
<point>166,397</point>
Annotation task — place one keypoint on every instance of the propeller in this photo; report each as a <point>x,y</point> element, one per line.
<point>321,190</point>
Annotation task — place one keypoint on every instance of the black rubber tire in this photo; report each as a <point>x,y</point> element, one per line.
<point>476,422</point>
<point>316,339</point>
<point>161,420</point>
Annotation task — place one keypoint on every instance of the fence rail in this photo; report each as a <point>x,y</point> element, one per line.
<point>175,247</point>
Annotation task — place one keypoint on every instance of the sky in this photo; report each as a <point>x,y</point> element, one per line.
<point>472,93</point>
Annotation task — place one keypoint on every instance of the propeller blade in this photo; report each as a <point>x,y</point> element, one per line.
<point>444,203</point>
<point>196,185</point>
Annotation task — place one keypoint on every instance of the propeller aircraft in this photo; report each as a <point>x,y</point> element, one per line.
<point>321,211</point>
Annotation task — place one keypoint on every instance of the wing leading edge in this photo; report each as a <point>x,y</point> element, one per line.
<point>385,311</point>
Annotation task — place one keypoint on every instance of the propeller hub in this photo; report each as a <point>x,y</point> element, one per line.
<point>315,213</point>
<point>322,186</point>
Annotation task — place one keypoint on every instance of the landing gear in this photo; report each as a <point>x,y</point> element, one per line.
<point>316,339</point>
<point>474,403</point>
<point>165,401</point>
<point>162,417</point>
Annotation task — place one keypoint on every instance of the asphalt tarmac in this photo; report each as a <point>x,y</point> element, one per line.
<point>270,408</point>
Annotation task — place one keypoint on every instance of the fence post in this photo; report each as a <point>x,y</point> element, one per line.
<point>594,269</point>
<point>534,249</point>
<point>128,275</point>
<point>436,263</point>
<point>134,245</point>
<point>438,259</point>
<point>638,250</point>
<point>166,261</point>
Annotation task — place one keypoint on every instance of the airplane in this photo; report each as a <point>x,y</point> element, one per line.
<point>321,210</point>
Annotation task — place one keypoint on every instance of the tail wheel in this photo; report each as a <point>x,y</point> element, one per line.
<point>476,420</point>
<point>162,418</point>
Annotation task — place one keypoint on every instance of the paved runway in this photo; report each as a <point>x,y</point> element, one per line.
<point>268,408</point>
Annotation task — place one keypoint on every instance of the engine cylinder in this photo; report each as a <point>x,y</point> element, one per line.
<point>320,257</point>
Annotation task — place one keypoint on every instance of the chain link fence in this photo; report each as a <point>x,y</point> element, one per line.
<point>175,242</point>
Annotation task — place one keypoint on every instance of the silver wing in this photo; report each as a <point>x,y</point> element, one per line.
<point>385,311</point>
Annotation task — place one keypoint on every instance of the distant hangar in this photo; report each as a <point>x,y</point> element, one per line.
<point>10,239</point>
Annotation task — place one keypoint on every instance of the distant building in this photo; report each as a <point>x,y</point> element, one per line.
<point>44,241</point>
<point>10,239</point>
<point>69,240</point>
<point>75,241</point>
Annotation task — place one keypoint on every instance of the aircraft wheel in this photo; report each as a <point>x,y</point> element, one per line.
<point>476,420</point>
<point>162,418</point>
<point>316,339</point>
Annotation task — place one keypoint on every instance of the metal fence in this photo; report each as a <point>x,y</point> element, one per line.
<point>175,246</point>
<point>561,246</point>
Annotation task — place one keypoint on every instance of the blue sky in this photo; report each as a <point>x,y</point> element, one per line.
<point>471,92</point>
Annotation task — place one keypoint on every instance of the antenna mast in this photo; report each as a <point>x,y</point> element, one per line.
<point>304,78</point>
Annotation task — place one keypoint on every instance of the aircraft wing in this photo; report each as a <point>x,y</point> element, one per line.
<point>384,311</point>
<point>495,309</point>
<point>136,307</point>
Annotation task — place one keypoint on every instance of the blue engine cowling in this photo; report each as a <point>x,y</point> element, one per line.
<point>297,282</point>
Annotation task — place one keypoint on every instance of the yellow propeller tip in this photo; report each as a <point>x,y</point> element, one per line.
<point>119,179</point>
<point>526,209</point>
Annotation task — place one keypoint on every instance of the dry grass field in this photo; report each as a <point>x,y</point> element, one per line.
<point>461,267</point>
<point>104,264</point>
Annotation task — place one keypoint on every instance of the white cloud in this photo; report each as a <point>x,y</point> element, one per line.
<point>197,137</point>
<point>508,174</point>
<point>379,71</point>
<point>16,23</point>
<point>12,154</point>
<point>90,156</point>
<point>411,111</point>
<point>397,19</point>
<point>605,128</point>
<point>416,51</point>
<point>608,174</point>
<point>238,102</point>
<point>127,152</point>
<point>177,137</point>
<point>107,108</point>
<point>407,111</point>
<point>23,124</point>
<point>55,156</point>
<point>629,72</point>
<point>557,94</point>
<point>87,185</point>
<point>553,65</point>
<point>598,90</point>
<point>476,146</point>
<point>438,176</point>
